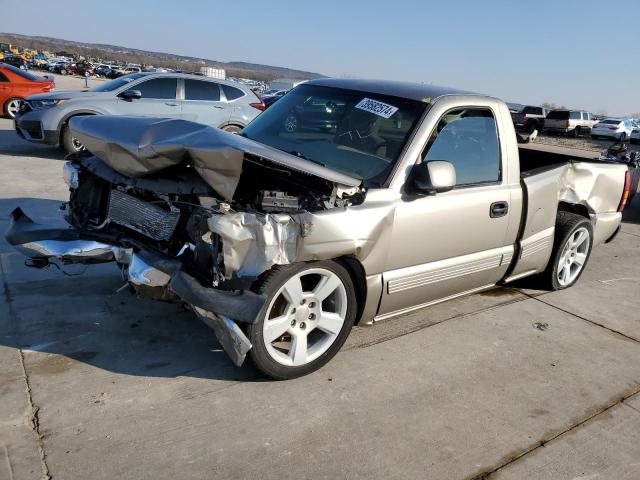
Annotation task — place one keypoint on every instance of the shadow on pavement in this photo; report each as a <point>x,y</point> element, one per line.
<point>78,313</point>
<point>12,144</point>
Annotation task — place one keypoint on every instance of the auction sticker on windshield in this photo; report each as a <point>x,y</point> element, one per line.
<point>377,108</point>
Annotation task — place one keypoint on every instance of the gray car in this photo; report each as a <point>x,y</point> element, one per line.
<point>217,103</point>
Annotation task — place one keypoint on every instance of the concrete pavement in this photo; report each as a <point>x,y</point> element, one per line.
<point>508,384</point>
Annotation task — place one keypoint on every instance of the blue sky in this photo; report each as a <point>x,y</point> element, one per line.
<point>579,53</point>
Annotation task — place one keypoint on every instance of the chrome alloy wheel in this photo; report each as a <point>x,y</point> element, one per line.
<point>305,317</point>
<point>573,257</point>
<point>12,107</point>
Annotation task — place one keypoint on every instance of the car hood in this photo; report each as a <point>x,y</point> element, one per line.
<point>137,146</point>
<point>67,94</point>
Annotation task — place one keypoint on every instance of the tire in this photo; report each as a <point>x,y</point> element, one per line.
<point>11,107</point>
<point>297,332</point>
<point>569,230</point>
<point>291,123</point>
<point>68,143</point>
<point>63,72</point>
<point>576,132</point>
<point>232,128</point>
<point>623,137</point>
<point>595,137</point>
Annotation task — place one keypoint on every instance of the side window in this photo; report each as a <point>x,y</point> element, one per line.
<point>468,139</point>
<point>232,93</point>
<point>574,115</point>
<point>158,88</point>
<point>201,90</point>
<point>3,78</point>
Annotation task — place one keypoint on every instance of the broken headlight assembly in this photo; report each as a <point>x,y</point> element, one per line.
<point>71,175</point>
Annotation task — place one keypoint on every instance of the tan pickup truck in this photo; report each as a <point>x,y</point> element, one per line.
<point>347,201</point>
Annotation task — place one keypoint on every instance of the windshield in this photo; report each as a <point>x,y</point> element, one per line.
<point>117,83</point>
<point>357,133</point>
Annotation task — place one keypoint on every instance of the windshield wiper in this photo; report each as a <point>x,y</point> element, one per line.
<point>304,157</point>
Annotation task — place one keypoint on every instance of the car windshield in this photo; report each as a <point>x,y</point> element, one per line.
<point>117,83</point>
<point>24,74</point>
<point>358,133</point>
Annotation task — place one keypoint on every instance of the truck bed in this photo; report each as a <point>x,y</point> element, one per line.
<point>535,158</point>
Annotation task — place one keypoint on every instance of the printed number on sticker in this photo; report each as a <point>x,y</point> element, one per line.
<point>377,108</point>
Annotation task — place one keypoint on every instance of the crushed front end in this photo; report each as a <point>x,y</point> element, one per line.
<point>199,232</point>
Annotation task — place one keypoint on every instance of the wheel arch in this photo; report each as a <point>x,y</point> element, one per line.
<point>67,117</point>
<point>358,277</point>
<point>574,208</point>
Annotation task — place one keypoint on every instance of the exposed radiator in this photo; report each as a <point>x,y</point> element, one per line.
<point>141,216</point>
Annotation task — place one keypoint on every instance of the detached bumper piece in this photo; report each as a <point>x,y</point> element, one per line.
<point>146,271</point>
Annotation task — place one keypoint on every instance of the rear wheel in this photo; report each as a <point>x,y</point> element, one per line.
<point>576,132</point>
<point>68,142</point>
<point>307,317</point>
<point>11,107</point>
<point>623,136</point>
<point>571,250</point>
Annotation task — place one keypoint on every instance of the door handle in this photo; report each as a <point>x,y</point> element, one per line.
<point>217,106</point>
<point>498,209</point>
<point>171,104</point>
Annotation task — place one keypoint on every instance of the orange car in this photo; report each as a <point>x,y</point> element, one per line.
<point>16,85</point>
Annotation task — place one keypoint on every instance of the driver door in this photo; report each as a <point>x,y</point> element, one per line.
<point>158,99</point>
<point>452,242</point>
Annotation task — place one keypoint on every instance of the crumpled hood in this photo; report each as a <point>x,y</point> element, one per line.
<point>136,146</point>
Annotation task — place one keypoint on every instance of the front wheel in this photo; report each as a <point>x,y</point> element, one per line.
<point>623,137</point>
<point>307,317</point>
<point>68,142</point>
<point>571,250</point>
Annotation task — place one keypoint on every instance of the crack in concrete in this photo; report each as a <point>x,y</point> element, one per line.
<point>593,322</point>
<point>34,420</point>
<point>487,474</point>
<point>629,233</point>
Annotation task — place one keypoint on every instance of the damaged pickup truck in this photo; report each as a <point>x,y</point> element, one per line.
<point>347,201</point>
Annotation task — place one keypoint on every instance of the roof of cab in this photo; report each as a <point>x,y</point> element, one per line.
<point>413,91</point>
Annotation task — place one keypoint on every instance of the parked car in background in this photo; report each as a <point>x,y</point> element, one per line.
<point>616,128</point>
<point>274,92</point>
<point>530,118</point>
<point>571,122</point>
<point>635,134</point>
<point>61,68</point>
<point>121,71</point>
<point>81,68</point>
<point>16,61</point>
<point>218,103</point>
<point>16,85</point>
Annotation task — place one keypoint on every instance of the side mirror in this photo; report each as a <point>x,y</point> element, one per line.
<point>436,176</point>
<point>131,95</point>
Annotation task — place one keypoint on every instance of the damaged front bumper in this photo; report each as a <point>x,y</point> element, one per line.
<point>146,271</point>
